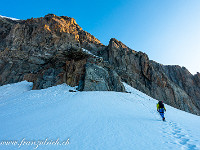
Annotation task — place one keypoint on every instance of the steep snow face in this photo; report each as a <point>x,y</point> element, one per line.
<point>9,18</point>
<point>44,119</point>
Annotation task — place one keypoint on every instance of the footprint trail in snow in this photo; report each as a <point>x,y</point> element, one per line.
<point>178,136</point>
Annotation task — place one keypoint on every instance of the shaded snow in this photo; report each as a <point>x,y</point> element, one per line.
<point>12,90</point>
<point>88,52</point>
<point>93,120</point>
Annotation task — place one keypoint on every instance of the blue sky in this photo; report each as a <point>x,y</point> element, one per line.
<point>167,30</point>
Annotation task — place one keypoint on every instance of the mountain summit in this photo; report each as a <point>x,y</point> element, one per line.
<point>52,50</point>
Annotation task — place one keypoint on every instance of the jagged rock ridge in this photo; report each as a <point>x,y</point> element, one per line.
<point>51,50</point>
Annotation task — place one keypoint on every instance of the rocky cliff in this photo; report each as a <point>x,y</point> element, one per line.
<point>53,50</point>
<point>172,84</point>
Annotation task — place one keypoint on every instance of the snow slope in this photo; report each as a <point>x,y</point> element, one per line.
<point>90,121</point>
<point>9,18</point>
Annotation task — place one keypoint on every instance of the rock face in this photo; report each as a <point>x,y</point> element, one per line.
<point>101,77</point>
<point>52,50</point>
<point>174,85</point>
<point>47,51</point>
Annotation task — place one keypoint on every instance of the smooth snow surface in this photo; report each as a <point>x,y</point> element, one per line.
<point>91,120</point>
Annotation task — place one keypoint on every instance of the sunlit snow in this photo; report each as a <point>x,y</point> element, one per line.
<point>90,120</point>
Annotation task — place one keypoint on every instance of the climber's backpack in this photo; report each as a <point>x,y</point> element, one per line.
<point>161,105</point>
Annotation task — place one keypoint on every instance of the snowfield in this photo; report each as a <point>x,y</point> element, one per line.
<point>56,119</point>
